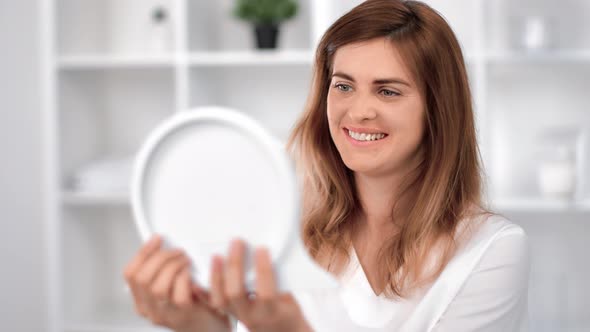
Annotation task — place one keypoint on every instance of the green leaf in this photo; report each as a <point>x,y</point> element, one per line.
<point>266,11</point>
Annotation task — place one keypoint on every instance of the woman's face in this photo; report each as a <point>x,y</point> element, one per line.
<point>375,111</point>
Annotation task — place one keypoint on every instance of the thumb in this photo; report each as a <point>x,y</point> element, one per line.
<point>200,294</point>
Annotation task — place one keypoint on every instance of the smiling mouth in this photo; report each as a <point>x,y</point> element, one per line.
<point>365,137</point>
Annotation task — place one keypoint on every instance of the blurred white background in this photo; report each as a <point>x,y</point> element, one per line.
<point>82,82</point>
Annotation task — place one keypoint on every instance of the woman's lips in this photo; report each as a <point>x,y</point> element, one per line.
<point>361,143</point>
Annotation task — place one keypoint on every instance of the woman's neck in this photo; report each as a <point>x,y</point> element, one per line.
<point>379,194</point>
<point>373,224</point>
<point>377,197</point>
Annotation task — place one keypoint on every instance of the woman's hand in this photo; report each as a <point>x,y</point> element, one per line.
<point>266,310</point>
<point>164,293</point>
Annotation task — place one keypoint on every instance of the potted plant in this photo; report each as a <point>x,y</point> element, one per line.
<point>266,15</point>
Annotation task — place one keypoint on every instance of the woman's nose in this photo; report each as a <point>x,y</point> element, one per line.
<point>362,109</point>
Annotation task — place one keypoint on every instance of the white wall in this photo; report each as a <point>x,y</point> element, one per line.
<point>22,280</point>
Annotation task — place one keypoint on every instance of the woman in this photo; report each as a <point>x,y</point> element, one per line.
<point>392,207</point>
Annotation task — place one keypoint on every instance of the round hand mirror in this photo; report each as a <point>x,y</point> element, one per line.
<point>209,175</point>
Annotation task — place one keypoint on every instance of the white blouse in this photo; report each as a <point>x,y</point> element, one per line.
<point>484,287</point>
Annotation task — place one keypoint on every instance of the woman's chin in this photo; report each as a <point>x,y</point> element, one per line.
<point>361,167</point>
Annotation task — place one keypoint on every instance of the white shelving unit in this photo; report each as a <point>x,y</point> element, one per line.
<point>88,62</point>
<point>105,91</point>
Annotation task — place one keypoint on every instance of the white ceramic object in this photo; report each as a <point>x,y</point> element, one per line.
<point>534,33</point>
<point>557,176</point>
<point>212,174</point>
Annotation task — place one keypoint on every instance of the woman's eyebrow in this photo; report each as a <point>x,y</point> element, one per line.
<point>343,75</point>
<point>393,80</point>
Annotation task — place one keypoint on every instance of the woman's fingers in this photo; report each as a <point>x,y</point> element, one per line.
<point>181,292</point>
<point>144,253</point>
<point>150,275</point>
<point>234,270</point>
<point>235,287</point>
<point>266,286</point>
<point>200,294</point>
<point>228,293</point>
<point>161,288</point>
<point>217,295</point>
<point>132,270</point>
<point>152,266</point>
<point>164,293</point>
<point>266,289</point>
<point>146,276</point>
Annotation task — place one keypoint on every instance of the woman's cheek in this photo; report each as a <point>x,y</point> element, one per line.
<point>335,112</point>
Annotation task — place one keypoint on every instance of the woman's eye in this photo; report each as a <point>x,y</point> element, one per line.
<point>343,87</point>
<point>389,93</point>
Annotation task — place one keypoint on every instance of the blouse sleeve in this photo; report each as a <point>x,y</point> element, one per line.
<point>495,295</point>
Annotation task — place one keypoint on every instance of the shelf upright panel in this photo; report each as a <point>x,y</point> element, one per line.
<point>51,190</point>
<point>319,20</point>
<point>479,94</point>
<point>181,56</point>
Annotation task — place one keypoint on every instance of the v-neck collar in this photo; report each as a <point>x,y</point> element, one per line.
<point>364,307</point>
<point>361,274</point>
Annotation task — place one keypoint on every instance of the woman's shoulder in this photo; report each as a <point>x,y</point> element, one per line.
<point>495,245</point>
<point>508,244</point>
<point>492,294</point>
<point>492,241</point>
<point>489,227</point>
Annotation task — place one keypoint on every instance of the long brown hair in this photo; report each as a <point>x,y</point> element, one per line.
<point>446,183</point>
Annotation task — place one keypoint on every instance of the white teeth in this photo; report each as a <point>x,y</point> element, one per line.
<point>364,136</point>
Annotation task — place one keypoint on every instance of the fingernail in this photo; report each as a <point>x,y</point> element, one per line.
<point>153,241</point>
<point>217,262</point>
<point>235,246</point>
<point>262,252</point>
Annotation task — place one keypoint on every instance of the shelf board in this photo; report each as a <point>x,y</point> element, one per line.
<point>94,199</point>
<point>111,328</point>
<point>100,61</point>
<point>553,56</point>
<point>204,59</point>
<point>113,317</point>
<point>522,204</point>
<point>262,57</point>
